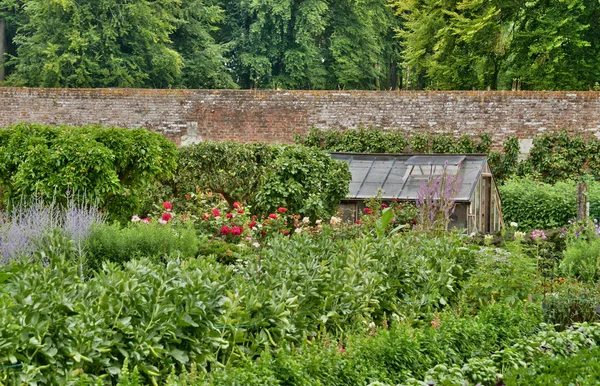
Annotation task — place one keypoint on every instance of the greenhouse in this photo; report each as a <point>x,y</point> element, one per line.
<point>402,176</point>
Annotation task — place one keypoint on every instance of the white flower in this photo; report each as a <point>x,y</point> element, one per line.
<point>162,221</point>
<point>514,224</point>
<point>519,235</point>
<point>135,218</point>
<point>318,222</point>
<point>256,245</point>
<point>305,220</point>
<point>259,226</point>
<point>298,230</point>
<point>488,237</point>
<point>334,220</point>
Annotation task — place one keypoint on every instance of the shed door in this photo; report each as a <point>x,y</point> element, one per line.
<point>486,203</point>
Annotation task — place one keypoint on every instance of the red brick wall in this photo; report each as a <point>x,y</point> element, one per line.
<point>275,116</point>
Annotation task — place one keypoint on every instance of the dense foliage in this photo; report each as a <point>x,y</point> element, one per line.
<point>304,180</point>
<point>107,166</point>
<point>307,44</point>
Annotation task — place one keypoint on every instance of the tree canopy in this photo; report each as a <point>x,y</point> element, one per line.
<point>303,44</point>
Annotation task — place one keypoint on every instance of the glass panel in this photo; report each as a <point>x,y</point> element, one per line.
<point>435,160</point>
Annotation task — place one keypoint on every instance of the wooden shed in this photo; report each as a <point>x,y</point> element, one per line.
<point>401,176</point>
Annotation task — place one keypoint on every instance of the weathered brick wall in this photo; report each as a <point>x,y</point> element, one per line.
<point>275,116</point>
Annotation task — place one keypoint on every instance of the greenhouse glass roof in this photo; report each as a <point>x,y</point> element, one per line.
<point>401,175</point>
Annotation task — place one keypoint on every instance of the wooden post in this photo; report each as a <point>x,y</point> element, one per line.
<point>2,48</point>
<point>581,201</point>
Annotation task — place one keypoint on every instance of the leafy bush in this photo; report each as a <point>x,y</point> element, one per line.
<point>305,181</point>
<point>571,302</point>
<point>113,243</point>
<point>108,166</point>
<point>537,205</point>
<point>155,315</point>
<point>500,276</point>
<point>582,369</point>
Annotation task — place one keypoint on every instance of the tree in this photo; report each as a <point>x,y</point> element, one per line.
<point>109,43</point>
<point>556,45</point>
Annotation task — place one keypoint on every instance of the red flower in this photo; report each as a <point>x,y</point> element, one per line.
<point>273,216</point>
<point>252,224</point>
<point>240,211</point>
<point>146,220</point>
<point>236,231</point>
<point>237,205</point>
<point>167,216</point>
<point>254,217</point>
<point>282,210</point>
<point>167,205</point>
<point>216,212</point>
<point>263,233</point>
<point>358,222</point>
<point>187,196</point>
<point>229,215</point>
<point>384,205</point>
<point>225,230</point>
<point>285,232</point>
<point>367,211</point>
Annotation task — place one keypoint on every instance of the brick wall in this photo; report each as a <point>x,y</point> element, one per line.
<point>187,116</point>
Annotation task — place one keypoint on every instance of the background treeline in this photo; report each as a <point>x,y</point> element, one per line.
<point>303,44</point>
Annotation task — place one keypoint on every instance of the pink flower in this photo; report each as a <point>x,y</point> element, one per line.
<point>216,212</point>
<point>252,224</point>
<point>282,210</point>
<point>236,231</point>
<point>229,215</point>
<point>166,217</point>
<point>187,196</point>
<point>135,219</point>
<point>273,216</point>
<point>237,205</point>
<point>160,220</point>
<point>384,205</point>
<point>167,205</point>
<point>225,230</point>
<point>146,220</point>
<point>367,211</point>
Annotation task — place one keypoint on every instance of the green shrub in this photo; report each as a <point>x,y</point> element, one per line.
<point>537,205</point>
<point>305,181</point>
<point>113,243</point>
<point>581,369</point>
<point>500,276</point>
<point>108,166</point>
<point>582,260</point>
<point>571,302</point>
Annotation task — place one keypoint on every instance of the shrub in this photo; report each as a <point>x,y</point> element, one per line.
<point>582,368</point>
<point>305,181</point>
<point>112,243</point>
<point>537,205</point>
<point>106,165</point>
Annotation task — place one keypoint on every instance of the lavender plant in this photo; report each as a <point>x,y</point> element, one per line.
<point>25,226</point>
<point>436,200</point>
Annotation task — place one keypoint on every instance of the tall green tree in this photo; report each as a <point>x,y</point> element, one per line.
<point>557,45</point>
<point>108,43</point>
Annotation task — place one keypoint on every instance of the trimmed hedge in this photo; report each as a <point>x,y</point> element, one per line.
<point>538,205</point>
